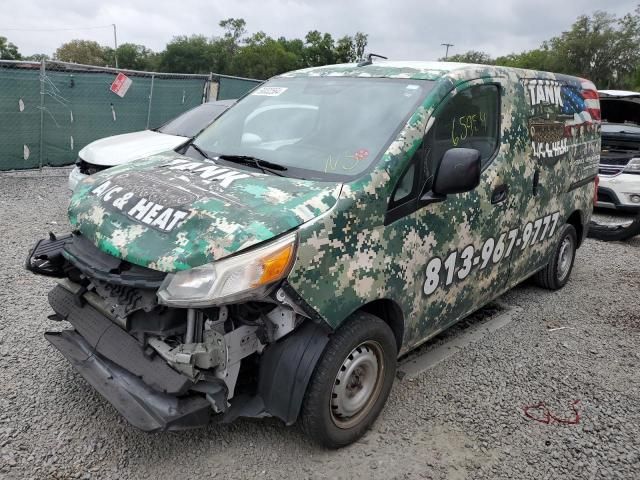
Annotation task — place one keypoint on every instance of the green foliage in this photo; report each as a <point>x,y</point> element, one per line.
<point>135,57</point>
<point>601,47</point>
<point>472,56</point>
<point>262,57</point>
<point>536,59</point>
<point>319,49</point>
<point>187,55</point>
<point>86,52</point>
<point>38,57</point>
<point>258,55</point>
<point>8,51</point>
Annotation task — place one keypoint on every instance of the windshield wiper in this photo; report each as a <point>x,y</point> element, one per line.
<point>264,165</point>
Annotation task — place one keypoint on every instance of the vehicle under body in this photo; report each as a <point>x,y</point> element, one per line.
<point>166,368</point>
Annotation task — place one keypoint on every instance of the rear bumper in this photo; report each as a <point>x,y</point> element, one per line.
<point>143,407</point>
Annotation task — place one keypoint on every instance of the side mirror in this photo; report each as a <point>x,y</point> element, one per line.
<point>459,171</point>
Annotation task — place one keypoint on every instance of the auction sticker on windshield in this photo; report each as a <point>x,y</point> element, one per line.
<point>269,91</point>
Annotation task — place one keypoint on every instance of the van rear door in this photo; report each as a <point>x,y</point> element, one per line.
<point>563,132</point>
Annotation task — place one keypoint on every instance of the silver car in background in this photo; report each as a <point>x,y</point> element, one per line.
<point>118,149</point>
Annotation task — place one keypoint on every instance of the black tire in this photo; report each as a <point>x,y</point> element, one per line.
<point>321,418</point>
<point>556,273</point>
<point>614,233</point>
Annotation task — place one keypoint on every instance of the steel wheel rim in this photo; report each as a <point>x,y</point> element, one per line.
<point>357,384</point>
<point>564,258</point>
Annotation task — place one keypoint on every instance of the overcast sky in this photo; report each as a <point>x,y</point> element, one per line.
<point>399,29</point>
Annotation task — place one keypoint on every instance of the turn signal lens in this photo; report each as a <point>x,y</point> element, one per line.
<point>275,266</point>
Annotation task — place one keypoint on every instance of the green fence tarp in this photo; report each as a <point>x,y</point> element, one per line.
<point>78,108</point>
<point>230,88</point>
<point>19,118</point>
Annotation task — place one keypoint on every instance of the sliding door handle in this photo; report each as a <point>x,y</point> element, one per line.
<point>499,194</point>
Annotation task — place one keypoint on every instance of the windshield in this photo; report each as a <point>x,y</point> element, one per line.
<point>322,128</point>
<point>190,123</point>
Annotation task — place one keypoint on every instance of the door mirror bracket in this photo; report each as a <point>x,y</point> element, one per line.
<point>431,197</point>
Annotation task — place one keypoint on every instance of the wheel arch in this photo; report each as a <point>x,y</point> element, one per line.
<point>390,312</point>
<point>576,219</point>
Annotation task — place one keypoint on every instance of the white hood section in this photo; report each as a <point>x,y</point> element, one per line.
<point>119,149</point>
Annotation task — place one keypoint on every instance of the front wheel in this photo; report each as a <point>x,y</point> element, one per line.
<point>351,382</point>
<point>556,273</point>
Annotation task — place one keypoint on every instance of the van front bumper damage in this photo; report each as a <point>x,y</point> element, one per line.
<point>143,388</point>
<point>143,407</point>
<point>139,379</point>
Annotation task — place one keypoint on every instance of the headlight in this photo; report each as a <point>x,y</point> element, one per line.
<point>242,277</point>
<point>633,166</point>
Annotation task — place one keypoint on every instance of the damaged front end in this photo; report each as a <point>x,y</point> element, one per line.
<point>174,351</point>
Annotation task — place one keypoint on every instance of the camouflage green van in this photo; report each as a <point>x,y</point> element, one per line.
<point>331,221</point>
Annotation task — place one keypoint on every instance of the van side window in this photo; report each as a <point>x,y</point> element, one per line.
<point>404,198</point>
<point>471,119</point>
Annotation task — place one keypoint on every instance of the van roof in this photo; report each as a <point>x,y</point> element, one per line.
<point>384,69</point>
<point>418,70</point>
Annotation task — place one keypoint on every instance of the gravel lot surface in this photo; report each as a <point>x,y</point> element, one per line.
<point>462,418</point>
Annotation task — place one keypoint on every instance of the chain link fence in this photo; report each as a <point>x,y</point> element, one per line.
<point>49,110</point>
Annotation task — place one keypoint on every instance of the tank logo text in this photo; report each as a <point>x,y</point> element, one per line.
<point>208,171</point>
<point>544,91</point>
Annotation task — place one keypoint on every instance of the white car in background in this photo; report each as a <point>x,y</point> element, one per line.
<point>620,155</point>
<point>118,149</point>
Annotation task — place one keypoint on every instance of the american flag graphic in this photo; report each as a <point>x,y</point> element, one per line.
<point>583,104</point>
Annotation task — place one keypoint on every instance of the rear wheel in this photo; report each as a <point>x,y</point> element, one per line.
<point>557,272</point>
<point>351,382</point>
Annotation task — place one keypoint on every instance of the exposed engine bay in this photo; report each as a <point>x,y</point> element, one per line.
<point>176,366</point>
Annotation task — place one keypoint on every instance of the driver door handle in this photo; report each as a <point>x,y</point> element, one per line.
<point>499,194</point>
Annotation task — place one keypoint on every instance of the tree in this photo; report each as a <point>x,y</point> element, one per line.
<point>345,50</point>
<point>471,56</point>
<point>536,59</point>
<point>86,52</point>
<point>262,57</point>
<point>234,29</point>
<point>233,52</point>
<point>319,49</point>
<point>360,41</point>
<point>602,48</point>
<point>38,57</point>
<point>8,51</point>
<point>296,48</point>
<point>187,55</point>
<point>134,57</point>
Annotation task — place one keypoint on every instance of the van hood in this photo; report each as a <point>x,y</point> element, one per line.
<point>119,149</point>
<point>170,212</point>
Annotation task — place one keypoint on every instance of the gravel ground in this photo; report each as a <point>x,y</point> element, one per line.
<point>461,419</point>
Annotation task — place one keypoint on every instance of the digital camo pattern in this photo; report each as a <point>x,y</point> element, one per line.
<point>206,212</point>
<point>355,259</point>
<point>426,261</point>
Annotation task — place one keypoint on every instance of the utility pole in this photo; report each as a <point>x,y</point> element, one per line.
<point>446,53</point>
<point>115,43</point>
